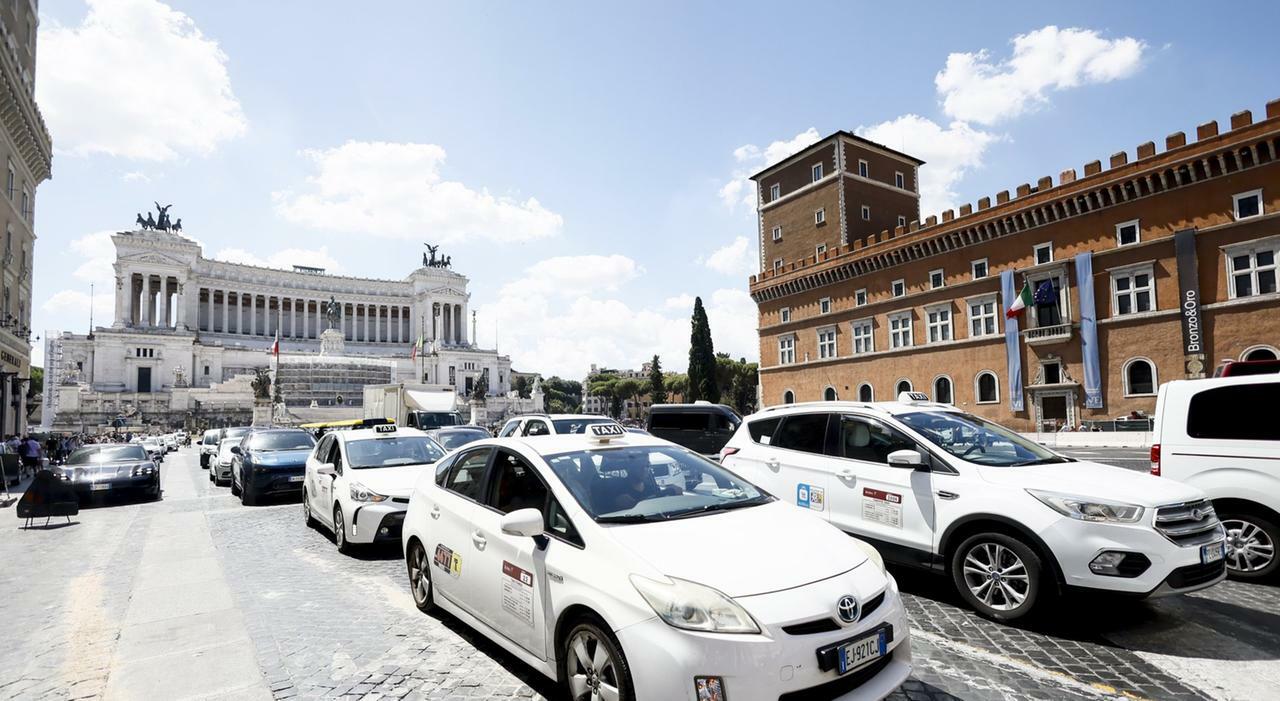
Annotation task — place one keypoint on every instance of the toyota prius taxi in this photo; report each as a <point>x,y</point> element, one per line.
<point>570,553</point>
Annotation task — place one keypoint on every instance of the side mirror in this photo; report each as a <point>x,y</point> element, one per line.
<point>235,449</point>
<point>906,458</point>
<point>326,469</point>
<point>522,522</point>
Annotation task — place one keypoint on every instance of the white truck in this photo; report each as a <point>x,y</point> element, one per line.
<point>413,405</point>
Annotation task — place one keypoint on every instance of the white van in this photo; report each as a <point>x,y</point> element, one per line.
<point>1222,435</point>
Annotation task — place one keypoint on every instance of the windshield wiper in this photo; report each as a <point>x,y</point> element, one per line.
<point>721,506</point>
<point>629,518</point>
<point>1045,461</point>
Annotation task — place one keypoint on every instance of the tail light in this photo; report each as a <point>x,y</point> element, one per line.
<point>1155,459</point>
<point>726,452</point>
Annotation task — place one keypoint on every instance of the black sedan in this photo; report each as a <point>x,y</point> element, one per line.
<point>110,468</point>
<point>269,462</point>
<point>457,436</point>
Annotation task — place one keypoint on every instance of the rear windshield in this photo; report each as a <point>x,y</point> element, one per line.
<point>283,440</point>
<point>1235,413</point>
<point>678,422</point>
<point>107,453</point>
<point>237,432</point>
<point>455,439</point>
<point>577,425</point>
<point>392,451</point>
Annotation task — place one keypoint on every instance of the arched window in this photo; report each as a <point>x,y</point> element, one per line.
<point>986,387</point>
<point>865,393</point>
<point>903,385</point>
<point>942,390</point>
<point>829,395</point>
<point>1139,377</point>
<point>788,397</point>
<point>1259,353</point>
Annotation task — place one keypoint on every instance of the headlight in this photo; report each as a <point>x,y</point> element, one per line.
<point>1089,509</point>
<point>360,493</point>
<point>872,554</point>
<point>694,607</point>
<point>141,470</point>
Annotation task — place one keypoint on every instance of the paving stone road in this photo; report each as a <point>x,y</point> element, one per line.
<point>196,596</point>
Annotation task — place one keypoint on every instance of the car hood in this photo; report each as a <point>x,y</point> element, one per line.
<point>395,481</point>
<point>1091,479</point>
<point>280,458</point>
<point>748,551</point>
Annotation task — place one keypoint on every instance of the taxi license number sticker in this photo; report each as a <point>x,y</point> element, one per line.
<point>810,497</point>
<point>517,592</point>
<point>859,652</point>
<point>882,507</point>
<point>448,560</point>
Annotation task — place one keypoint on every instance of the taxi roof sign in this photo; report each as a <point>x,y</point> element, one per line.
<point>604,432</point>
<point>912,397</point>
<point>385,428</point>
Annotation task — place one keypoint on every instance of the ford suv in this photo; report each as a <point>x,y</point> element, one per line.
<point>1011,522</point>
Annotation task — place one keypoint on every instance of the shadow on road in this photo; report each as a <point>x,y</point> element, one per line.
<point>525,673</point>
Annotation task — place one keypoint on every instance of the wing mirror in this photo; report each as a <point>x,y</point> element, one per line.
<point>326,468</point>
<point>911,459</point>
<point>235,449</point>
<point>522,522</point>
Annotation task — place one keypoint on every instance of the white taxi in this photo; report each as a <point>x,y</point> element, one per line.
<point>567,552</point>
<point>357,482</point>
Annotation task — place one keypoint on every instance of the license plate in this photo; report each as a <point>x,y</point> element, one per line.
<point>296,478</point>
<point>1211,552</point>
<point>859,652</point>
<point>99,487</point>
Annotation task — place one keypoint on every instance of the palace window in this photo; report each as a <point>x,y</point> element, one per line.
<point>777,233</point>
<point>1252,268</point>
<point>1042,253</point>
<point>775,191</point>
<point>978,268</point>
<point>863,169</point>
<point>788,397</point>
<point>936,279</point>
<point>866,213</point>
<point>819,250</point>
<point>1127,233</point>
<point>942,390</point>
<point>900,330</point>
<point>11,183</point>
<point>903,385</point>
<point>938,322</point>
<point>777,265</point>
<point>1139,378</point>
<point>827,343</point>
<point>1247,204</point>
<point>899,288</point>
<point>785,315</point>
<point>982,316</point>
<point>816,170</point>
<point>829,394</point>
<point>820,216</point>
<point>863,341</point>
<point>786,350</point>
<point>988,390</point>
<point>824,305</point>
<point>902,221</point>
<point>860,297</point>
<point>899,180</point>
<point>866,393</point>
<point>1132,291</point>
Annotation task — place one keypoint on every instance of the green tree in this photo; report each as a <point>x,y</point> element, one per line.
<point>677,384</point>
<point>632,389</point>
<point>563,396</point>
<point>657,389</point>
<point>603,385</point>
<point>36,387</point>
<point>739,378</point>
<point>702,358</point>
<point>522,387</point>
<point>481,387</point>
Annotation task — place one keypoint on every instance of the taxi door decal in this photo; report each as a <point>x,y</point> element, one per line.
<point>517,592</point>
<point>448,560</point>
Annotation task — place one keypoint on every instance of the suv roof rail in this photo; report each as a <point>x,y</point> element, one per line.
<point>833,404</point>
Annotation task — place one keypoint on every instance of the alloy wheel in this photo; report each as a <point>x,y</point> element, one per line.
<point>593,673</point>
<point>339,529</point>
<point>419,580</point>
<point>1249,548</point>
<point>996,576</point>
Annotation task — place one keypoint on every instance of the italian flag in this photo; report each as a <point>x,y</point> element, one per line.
<point>275,346</point>
<point>413,354</point>
<point>1020,302</point>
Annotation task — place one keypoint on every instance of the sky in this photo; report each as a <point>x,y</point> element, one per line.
<point>583,163</point>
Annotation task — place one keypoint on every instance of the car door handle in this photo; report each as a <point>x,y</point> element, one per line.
<point>772,464</point>
<point>435,512</point>
<point>848,474</point>
<point>944,494</point>
<point>479,540</point>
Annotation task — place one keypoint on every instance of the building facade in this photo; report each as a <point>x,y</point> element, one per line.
<point>1140,272</point>
<point>188,323</point>
<point>27,152</point>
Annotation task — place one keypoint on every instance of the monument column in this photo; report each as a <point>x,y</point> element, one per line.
<point>253,314</point>
<point>179,303</point>
<point>124,286</point>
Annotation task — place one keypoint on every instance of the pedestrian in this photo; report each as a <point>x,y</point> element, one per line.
<point>35,455</point>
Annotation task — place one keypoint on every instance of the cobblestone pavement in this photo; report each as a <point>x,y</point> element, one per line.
<point>323,625</point>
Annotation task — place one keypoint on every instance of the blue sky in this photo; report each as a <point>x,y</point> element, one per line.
<point>577,160</point>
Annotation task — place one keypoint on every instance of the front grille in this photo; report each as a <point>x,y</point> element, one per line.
<point>821,625</point>
<point>839,687</point>
<point>400,500</point>
<point>1179,523</point>
<point>872,604</point>
<point>1195,575</point>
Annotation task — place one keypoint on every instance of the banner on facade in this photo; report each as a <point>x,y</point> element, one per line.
<point>1012,348</point>
<point>1088,332</point>
<point>1193,355</point>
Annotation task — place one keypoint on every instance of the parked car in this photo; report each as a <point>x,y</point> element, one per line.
<point>358,482</point>
<point>1222,435</point>
<point>155,448</point>
<point>269,462</point>
<point>220,464</point>
<point>457,436</point>
<point>1011,522</point>
<point>209,445</point>
<point>701,427</point>
<point>551,424</point>
<point>1237,368</point>
<point>564,552</point>
<point>110,468</point>
<point>170,442</point>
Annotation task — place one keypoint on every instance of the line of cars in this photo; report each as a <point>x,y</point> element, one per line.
<point>133,468</point>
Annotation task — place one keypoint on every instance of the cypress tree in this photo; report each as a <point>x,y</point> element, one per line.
<point>702,358</point>
<point>657,387</point>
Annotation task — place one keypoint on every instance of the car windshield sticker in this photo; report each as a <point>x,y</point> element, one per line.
<point>448,560</point>
<point>810,497</point>
<point>882,507</point>
<point>517,592</point>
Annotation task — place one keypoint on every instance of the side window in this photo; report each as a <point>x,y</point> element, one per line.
<point>442,470</point>
<point>1235,413</point>
<point>510,428</point>
<point>763,431</point>
<point>536,428</point>
<point>679,421</point>
<point>870,441</point>
<point>803,432</point>
<point>558,522</point>
<point>335,454</point>
<point>515,485</point>
<point>466,477</point>
<point>321,450</point>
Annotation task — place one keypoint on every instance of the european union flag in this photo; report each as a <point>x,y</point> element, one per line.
<point>1045,294</point>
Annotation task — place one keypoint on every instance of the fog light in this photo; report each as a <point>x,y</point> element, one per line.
<point>384,530</point>
<point>709,689</point>
<point>1118,564</point>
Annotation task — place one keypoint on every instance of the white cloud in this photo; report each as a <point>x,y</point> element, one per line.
<point>284,259</point>
<point>396,190</point>
<point>949,153</point>
<point>739,190</point>
<point>563,327</point>
<point>135,79</point>
<point>974,88</point>
<point>135,176</point>
<point>96,255</point>
<point>735,258</point>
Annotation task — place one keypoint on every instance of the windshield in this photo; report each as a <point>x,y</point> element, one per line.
<point>224,448</point>
<point>107,453</point>
<point>211,438</point>
<point>281,440</point>
<point>577,425</point>
<point>454,439</point>
<point>392,451</point>
<point>977,440</point>
<point>237,432</point>
<point>436,419</point>
<point>650,483</point>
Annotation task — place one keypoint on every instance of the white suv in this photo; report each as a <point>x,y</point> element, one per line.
<point>1011,522</point>
<point>550,424</point>
<point>1221,435</point>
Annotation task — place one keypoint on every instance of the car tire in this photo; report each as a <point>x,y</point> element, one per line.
<point>1251,540</point>
<point>204,461</point>
<point>306,510</point>
<point>247,497</point>
<point>340,532</point>
<point>999,576</point>
<point>580,674</point>
<point>420,577</point>
<point>235,488</point>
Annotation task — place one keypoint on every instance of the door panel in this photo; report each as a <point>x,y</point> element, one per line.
<point>801,472</point>
<point>451,543</point>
